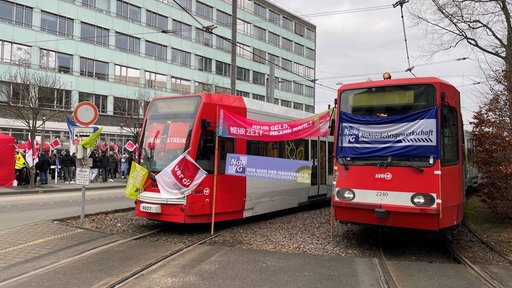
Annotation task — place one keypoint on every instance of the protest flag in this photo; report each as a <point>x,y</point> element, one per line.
<point>180,177</point>
<point>90,141</point>
<point>136,180</point>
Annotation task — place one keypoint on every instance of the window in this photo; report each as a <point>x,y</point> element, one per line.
<point>274,17</point>
<point>243,27</point>
<point>155,81</point>
<point>222,68</point>
<point>127,43</point>
<point>54,98</point>
<point>258,97</point>
<point>156,50</point>
<point>156,21</point>
<point>204,64</point>
<point>298,68</point>
<point>309,92</point>
<point>243,74</point>
<point>310,109</point>
<point>93,68</point>
<point>204,11</point>
<point>222,90</point>
<point>223,18</point>
<point>56,61</point>
<point>259,32</point>
<point>298,106</point>
<point>181,58</point>
<point>99,100</point>
<point>260,10</point>
<point>287,23</point>
<point>126,107</point>
<point>204,37</point>
<point>299,49</point>
<point>15,53</point>
<point>287,44</point>
<point>202,87</point>
<point>286,103</point>
<point>94,34</point>
<point>180,85</point>
<point>128,11</point>
<point>56,24</point>
<point>260,56</point>
<point>274,39</point>
<point>273,59</point>
<point>102,5</point>
<point>243,94</point>
<point>286,64</point>
<point>223,44</point>
<point>310,34</point>
<point>286,86</point>
<point>187,4</point>
<point>309,72</point>
<point>243,51</point>
<point>127,75</point>
<point>310,53</point>
<point>258,78</point>
<point>300,29</point>
<point>15,13</point>
<point>181,29</point>
<point>449,136</point>
<point>298,88</point>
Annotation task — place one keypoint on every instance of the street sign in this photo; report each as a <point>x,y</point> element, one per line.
<point>83,175</point>
<point>85,113</point>
<point>82,131</point>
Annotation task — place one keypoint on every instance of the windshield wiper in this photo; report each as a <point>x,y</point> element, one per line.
<point>389,163</point>
<point>413,166</point>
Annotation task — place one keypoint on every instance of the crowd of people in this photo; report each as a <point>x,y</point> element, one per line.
<point>105,166</point>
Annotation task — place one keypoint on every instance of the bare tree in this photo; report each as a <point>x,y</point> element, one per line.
<point>29,96</point>
<point>485,25</point>
<point>132,111</point>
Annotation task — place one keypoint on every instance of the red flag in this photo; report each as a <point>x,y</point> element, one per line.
<point>129,146</point>
<point>32,155</point>
<point>113,147</point>
<point>104,146</point>
<point>55,144</point>
<point>180,177</point>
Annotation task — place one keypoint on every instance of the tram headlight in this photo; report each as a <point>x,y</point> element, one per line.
<point>423,200</point>
<point>345,194</point>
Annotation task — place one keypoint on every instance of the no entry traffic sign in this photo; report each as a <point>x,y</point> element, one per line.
<point>85,113</point>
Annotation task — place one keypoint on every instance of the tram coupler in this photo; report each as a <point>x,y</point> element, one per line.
<point>381,213</point>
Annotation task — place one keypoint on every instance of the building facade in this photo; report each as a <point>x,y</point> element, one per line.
<point>119,53</point>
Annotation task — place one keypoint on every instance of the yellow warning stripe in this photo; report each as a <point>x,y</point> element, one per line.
<point>39,241</point>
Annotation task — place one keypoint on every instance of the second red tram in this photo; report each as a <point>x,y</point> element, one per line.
<point>399,154</point>
<point>175,124</point>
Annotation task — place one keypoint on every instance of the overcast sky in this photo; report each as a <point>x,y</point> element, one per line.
<point>358,40</point>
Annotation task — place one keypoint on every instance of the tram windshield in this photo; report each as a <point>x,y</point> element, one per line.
<point>167,131</point>
<point>385,102</point>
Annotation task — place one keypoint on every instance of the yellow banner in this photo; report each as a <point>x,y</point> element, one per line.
<point>135,181</point>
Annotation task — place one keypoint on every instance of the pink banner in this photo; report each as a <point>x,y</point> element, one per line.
<point>232,125</point>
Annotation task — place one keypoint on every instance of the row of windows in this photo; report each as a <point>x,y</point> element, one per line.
<point>53,98</point>
<point>96,35</point>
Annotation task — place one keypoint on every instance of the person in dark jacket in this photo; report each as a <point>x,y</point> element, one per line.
<point>104,166</point>
<point>96,166</point>
<point>67,162</point>
<point>42,166</point>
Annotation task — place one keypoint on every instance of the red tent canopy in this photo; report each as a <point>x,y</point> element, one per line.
<point>7,160</point>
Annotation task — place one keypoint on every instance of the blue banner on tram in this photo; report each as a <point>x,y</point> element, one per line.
<point>408,135</point>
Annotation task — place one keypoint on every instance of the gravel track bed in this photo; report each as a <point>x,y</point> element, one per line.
<point>310,231</point>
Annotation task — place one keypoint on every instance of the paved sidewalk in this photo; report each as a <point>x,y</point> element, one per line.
<point>60,186</point>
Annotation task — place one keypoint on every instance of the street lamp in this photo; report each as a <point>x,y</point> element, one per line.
<point>122,135</point>
<point>42,134</point>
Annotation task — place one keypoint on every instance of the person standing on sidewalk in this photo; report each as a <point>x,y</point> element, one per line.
<point>68,163</point>
<point>42,166</point>
<point>112,162</point>
<point>104,166</point>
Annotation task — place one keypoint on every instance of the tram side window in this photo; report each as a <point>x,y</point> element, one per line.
<point>294,149</point>
<point>450,136</point>
<point>206,151</point>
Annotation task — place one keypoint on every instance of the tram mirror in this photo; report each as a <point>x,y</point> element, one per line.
<point>331,127</point>
<point>205,124</point>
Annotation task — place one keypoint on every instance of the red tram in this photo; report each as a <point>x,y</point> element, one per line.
<point>399,154</point>
<point>175,124</point>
